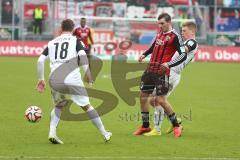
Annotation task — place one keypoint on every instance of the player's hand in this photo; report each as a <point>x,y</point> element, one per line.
<point>90,84</point>
<point>41,86</point>
<point>166,65</point>
<point>140,59</point>
<point>163,69</point>
<point>89,81</point>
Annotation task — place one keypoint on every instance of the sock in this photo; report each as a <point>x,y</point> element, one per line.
<point>54,120</point>
<point>173,118</point>
<point>96,120</point>
<point>145,119</point>
<point>158,117</point>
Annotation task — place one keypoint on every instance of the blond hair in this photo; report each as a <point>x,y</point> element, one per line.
<point>191,25</point>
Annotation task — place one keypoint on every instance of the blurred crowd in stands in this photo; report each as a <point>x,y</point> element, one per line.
<point>221,18</point>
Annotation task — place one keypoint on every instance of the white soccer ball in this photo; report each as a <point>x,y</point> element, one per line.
<point>33,114</point>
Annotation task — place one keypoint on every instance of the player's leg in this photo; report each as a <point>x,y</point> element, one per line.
<point>97,122</point>
<point>158,118</point>
<point>174,80</point>
<point>60,101</point>
<point>161,92</point>
<point>54,120</point>
<point>177,129</point>
<point>83,101</point>
<point>145,115</point>
<point>80,97</point>
<point>147,87</point>
<point>88,52</point>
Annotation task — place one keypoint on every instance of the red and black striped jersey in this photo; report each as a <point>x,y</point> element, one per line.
<point>163,49</point>
<point>83,34</point>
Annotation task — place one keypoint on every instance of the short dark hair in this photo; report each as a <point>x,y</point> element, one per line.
<point>191,25</point>
<point>166,16</point>
<point>67,25</point>
<point>83,18</point>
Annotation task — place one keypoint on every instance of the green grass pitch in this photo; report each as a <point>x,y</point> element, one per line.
<point>207,98</point>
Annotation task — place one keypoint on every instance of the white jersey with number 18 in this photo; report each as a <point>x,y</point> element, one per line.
<point>61,49</point>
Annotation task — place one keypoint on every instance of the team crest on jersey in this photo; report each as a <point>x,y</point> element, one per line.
<point>167,38</point>
<point>159,42</point>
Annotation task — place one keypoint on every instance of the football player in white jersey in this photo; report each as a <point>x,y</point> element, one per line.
<point>65,78</point>
<point>188,35</point>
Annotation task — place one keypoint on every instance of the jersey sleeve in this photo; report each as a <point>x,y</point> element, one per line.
<point>181,50</point>
<point>45,51</point>
<point>150,49</point>
<point>191,44</point>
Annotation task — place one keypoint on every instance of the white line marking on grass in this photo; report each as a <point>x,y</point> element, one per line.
<point>112,157</point>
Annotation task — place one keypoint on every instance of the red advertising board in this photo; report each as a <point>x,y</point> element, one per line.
<point>21,48</point>
<point>204,53</point>
<point>218,54</point>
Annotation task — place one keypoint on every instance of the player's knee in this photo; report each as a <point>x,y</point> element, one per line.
<point>153,102</point>
<point>61,104</point>
<point>161,100</point>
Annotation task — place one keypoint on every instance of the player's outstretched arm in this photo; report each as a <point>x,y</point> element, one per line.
<point>147,52</point>
<point>181,50</point>
<point>84,63</point>
<point>41,85</point>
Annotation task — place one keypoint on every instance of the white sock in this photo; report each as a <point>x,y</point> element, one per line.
<point>96,120</point>
<point>55,117</point>
<point>158,117</point>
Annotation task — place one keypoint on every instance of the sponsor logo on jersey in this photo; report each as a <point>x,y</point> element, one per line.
<point>159,42</point>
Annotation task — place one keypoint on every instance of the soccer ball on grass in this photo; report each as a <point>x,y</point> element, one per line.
<point>33,114</point>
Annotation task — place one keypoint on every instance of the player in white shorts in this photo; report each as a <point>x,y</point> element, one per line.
<point>188,34</point>
<point>65,53</point>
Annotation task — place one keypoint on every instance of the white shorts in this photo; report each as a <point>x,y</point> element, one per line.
<point>79,100</point>
<point>174,80</point>
<point>75,82</point>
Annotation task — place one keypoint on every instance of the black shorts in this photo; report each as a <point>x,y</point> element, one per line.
<point>88,50</point>
<point>151,81</point>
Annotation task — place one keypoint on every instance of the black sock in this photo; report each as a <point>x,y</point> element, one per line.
<point>145,119</point>
<point>173,119</point>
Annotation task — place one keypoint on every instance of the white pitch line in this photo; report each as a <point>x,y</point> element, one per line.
<point>112,157</point>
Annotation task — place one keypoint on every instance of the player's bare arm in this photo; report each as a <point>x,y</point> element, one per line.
<point>41,85</point>
<point>84,62</point>
<point>91,37</point>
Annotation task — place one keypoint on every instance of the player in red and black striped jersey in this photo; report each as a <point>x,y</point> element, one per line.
<point>166,43</point>
<point>83,32</point>
<point>188,32</point>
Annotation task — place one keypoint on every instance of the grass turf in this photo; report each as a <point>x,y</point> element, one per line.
<point>207,98</point>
